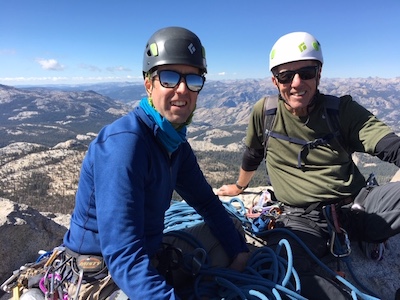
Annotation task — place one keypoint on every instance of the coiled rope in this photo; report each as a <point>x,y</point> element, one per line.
<point>180,215</point>
<point>268,275</point>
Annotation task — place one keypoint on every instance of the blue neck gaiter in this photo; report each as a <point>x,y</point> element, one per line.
<point>168,136</point>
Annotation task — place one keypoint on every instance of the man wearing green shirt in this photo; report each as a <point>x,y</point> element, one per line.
<point>311,169</point>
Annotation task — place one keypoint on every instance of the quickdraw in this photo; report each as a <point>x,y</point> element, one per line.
<point>41,279</point>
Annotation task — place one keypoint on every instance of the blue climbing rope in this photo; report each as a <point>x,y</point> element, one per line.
<point>354,290</point>
<point>180,215</point>
<point>268,275</point>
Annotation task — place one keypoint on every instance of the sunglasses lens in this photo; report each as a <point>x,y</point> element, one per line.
<point>305,73</point>
<point>194,82</point>
<point>285,77</point>
<point>169,79</point>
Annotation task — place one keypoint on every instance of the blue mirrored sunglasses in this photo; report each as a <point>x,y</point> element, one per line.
<point>170,79</point>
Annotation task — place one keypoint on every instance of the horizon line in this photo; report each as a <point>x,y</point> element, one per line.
<point>38,84</point>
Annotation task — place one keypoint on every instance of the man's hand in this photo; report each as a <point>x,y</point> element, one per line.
<point>229,190</point>
<point>240,262</point>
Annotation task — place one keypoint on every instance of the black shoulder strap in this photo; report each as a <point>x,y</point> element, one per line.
<point>269,112</point>
<point>332,118</point>
<point>331,107</point>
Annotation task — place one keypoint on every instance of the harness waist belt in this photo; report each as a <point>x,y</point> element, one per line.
<point>343,201</point>
<point>319,205</point>
<point>88,263</point>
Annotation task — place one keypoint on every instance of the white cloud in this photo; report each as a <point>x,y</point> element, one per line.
<point>221,73</point>
<point>50,64</point>
<point>91,68</point>
<point>7,51</point>
<point>118,69</point>
<point>66,80</point>
<point>32,79</point>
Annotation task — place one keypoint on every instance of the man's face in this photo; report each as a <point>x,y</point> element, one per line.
<point>175,104</point>
<point>298,92</point>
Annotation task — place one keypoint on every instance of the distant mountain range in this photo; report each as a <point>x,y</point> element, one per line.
<point>46,131</point>
<point>45,116</point>
<point>50,115</point>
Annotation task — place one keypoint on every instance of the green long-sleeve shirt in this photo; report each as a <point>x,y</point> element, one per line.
<point>328,171</point>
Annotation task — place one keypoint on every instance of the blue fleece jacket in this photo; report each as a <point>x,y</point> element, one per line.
<point>125,187</point>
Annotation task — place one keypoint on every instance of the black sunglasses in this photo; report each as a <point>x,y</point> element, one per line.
<point>305,73</point>
<point>170,79</point>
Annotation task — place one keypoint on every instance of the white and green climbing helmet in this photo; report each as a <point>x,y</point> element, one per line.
<point>295,46</point>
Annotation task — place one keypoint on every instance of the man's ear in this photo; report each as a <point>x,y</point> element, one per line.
<point>274,81</point>
<point>148,85</point>
<point>319,75</point>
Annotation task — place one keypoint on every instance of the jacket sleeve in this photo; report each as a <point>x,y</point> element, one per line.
<point>388,149</point>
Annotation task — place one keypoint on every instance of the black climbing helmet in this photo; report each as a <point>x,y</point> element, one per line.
<point>174,45</point>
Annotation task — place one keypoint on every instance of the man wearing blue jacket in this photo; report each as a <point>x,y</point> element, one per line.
<point>130,172</point>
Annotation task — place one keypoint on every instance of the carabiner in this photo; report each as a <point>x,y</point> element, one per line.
<point>346,244</point>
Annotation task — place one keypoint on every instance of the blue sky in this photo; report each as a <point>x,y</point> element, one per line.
<point>82,41</point>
